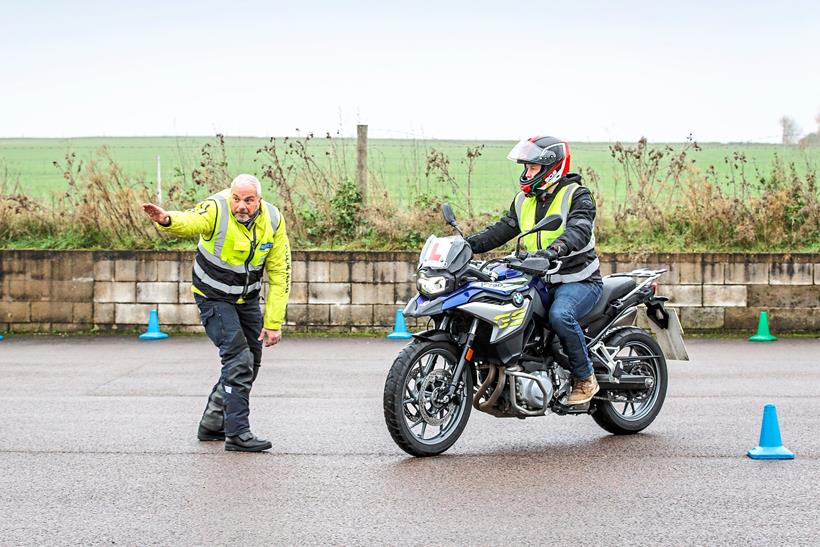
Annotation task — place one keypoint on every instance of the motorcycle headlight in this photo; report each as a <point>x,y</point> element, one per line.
<point>431,286</point>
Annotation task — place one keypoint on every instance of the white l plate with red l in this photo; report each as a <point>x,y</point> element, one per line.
<point>435,251</point>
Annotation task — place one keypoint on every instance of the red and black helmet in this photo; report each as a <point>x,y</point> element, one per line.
<point>548,152</point>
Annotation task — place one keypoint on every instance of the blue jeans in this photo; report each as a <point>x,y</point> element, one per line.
<point>567,302</point>
<point>234,329</point>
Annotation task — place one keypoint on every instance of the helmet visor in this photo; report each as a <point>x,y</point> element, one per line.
<point>527,151</point>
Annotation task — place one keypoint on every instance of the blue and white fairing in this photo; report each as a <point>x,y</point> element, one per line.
<point>506,303</point>
<point>421,306</point>
<point>447,254</point>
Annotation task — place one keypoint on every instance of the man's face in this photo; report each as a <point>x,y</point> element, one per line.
<point>532,170</point>
<point>244,202</point>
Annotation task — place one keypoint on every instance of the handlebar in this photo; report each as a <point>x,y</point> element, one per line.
<point>529,264</point>
<point>532,265</point>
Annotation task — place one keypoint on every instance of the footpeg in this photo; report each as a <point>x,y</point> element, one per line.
<point>562,409</point>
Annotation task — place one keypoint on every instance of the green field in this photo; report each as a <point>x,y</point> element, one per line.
<point>398,164</point>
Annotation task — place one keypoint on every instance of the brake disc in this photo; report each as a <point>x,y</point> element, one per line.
<point>433,386</point>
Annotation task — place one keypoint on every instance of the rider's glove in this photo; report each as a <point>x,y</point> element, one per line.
<point>559,247</point>
<point>555,249</point>
<point>548,253</point>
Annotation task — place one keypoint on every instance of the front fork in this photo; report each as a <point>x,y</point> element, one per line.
<point>466,356</point>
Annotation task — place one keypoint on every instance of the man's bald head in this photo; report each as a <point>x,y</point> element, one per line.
<point>245,180</point>
<point>245,195</point>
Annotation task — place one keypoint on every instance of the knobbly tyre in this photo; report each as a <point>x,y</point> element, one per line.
<point>490,347</point>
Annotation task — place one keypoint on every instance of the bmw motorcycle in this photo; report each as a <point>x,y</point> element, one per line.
<point>489,346</point>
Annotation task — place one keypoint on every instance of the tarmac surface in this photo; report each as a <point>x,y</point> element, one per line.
<point>98,446</point>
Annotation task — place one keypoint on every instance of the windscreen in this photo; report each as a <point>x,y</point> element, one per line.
<point>444,253</point>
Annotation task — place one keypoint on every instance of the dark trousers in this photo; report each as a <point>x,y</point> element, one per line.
<point>567,302</point>
<point>234,329</point>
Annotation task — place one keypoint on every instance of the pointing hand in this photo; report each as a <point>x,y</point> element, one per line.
<point>156,213</point>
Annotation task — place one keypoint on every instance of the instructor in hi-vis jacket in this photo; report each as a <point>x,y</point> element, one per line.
<point>240,236</point>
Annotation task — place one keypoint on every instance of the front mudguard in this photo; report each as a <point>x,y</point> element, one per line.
<point>436,335</point>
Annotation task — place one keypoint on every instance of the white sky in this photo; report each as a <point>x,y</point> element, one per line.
<point>583,70</point>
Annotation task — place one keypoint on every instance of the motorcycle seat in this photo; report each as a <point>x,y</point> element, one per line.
<point>614,288</point>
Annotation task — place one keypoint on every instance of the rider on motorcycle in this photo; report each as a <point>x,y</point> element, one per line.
<point>547,187</point>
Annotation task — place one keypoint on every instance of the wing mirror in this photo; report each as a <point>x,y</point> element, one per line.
<point>548,223</point>
<point>450,217</point>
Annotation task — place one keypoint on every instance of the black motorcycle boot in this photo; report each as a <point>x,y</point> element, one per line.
<point>247,442</point>
<point>212,423</point>
<point>205,434</point>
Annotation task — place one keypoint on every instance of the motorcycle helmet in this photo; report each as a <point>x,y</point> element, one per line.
<point>548,152</point>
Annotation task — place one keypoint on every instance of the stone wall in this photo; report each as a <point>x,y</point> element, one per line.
<point>69,291</point>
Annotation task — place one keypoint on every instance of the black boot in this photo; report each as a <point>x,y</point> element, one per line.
<point>247,442</point>
<point>212,423</point>
<point>205,434</point>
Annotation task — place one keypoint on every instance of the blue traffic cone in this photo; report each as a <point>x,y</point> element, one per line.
<point>770,447</point>
<point>400,328</point>
<point>153,332</point>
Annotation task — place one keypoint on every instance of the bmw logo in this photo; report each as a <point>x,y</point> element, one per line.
<point>518,299</point>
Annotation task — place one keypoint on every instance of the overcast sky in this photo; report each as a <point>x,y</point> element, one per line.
<point>582,70</point>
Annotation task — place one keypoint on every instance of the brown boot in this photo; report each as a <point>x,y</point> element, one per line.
<point>583,390</point>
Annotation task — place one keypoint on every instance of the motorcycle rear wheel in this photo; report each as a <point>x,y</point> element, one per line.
<point>419,375</point>
<point>635,411</point>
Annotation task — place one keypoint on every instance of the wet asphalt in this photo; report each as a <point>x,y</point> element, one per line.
<point>98,446</point>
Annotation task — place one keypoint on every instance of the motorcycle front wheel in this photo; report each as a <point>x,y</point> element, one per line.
<point>416,419</point>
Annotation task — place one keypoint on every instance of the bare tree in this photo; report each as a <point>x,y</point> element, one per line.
<point>790,130</point>
<point>811,139</point>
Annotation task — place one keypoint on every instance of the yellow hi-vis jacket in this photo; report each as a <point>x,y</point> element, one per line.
<point>577,265</point>
<point>230,258</point>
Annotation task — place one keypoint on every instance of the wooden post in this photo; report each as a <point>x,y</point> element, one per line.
<point>361,161</point>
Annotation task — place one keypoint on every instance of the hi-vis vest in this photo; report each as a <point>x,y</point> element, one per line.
<point>577,265</point>
<point>230,261</point>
